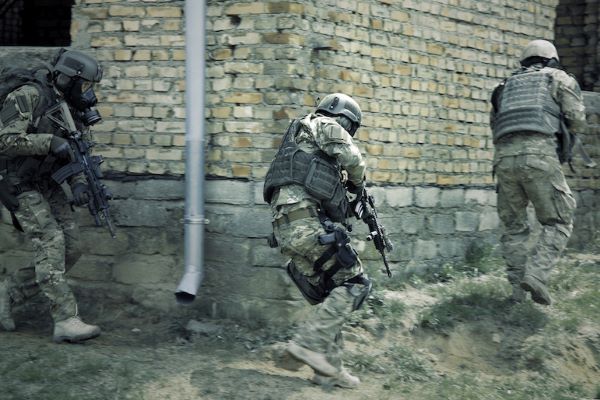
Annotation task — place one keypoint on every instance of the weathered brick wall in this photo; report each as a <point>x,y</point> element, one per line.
<point>421,70</point>
<point>570,37</point>
<point>576,38</point>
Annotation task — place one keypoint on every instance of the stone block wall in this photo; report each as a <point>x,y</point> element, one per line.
<point>422,72</point>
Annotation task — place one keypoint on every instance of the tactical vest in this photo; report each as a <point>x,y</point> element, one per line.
<point>317,172</point>
<point>526,104</point>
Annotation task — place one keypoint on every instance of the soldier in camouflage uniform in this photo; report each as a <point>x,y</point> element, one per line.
<point>308,199</point>
<point>526,120</point>
<point>31,148</point>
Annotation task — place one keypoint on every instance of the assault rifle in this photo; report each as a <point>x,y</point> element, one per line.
<point>377,232</point>
<point>84,163</point>
<point>567,144</point>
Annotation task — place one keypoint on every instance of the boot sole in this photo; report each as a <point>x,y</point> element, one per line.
<point>330,381</point>
<point>535,296</point>
<point>74,339</point>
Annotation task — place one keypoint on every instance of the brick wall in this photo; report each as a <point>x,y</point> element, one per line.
<point>422,72</point>
<point>576,39</point>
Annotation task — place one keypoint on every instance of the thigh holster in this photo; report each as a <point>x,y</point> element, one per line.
<point>314,294</point>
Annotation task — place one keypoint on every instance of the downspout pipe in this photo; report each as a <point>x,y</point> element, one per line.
<point>194,221</point>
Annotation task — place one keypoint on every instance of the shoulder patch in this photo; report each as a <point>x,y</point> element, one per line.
<point>331,132</point>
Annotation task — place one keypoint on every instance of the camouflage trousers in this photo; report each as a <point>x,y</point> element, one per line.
<point>48,223</point>
<point>321,331</point>
<point>539,180</point>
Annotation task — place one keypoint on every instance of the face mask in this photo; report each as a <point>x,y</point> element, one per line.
<point>81,96</point>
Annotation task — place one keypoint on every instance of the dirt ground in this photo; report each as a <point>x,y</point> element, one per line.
<point>455,338</point>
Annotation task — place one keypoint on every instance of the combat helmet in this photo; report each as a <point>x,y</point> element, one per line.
<point>539,48</point>
<point>74,74</point>
<point>339,104</point>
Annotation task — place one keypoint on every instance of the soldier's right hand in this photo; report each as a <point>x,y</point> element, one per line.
<point>60,148</point>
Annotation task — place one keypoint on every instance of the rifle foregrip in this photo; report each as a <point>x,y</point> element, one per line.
<point>66,172</point>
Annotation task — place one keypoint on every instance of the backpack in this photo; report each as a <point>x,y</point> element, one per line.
<point>12,78</point>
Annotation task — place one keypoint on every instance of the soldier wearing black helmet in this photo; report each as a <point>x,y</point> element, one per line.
<point>530,110</point>
<point>31,148</point>
<point>306,187</point>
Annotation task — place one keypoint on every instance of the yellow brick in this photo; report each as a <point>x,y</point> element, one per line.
<point>162,55</point>
<point>123,55</point>
<point>380,176</point>
<point>446,180</point>
<point>285,8</point>
<point>122,11</point>
<point>241,142</point>
<point>179,140</point>
<point>142,55</point>
<point>411,152</point>
<point>244,98</point>
<point>376,23</point>
<point>106,42</point>
<point>95,12</point>
<point>386,163</point>
<point>435,48</point>
<point>347,75</point>
<point>283,38</point>
<point>400,16</point>
<point>164,12</point>
<point>221,54</point>
<point>403,70</point>
<point>178,55</point>
<point>221,112</point>
<point>241,170</point>
<point>374,149</point>
<point>246,8</point>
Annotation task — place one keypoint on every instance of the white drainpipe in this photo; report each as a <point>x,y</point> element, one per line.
<point>195,18</point>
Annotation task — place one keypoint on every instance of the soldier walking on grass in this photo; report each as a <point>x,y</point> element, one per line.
<point>530,111</point>
<point>305,189</point>
<point>31,149</point>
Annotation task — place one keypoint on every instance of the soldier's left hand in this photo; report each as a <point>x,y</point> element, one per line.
<point>80,194</point>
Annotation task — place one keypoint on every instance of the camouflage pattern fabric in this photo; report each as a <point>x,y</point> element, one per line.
<point>45,217</point>
<point>14,139</point>
<point>528,170</point>
<point>48,223</point>
<point>321,331</point>
<point>538,179</point>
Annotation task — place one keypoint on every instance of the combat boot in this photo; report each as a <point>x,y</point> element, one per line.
<point>342,379</point>
<point>74,330</point>
<point>316,361</point>
<point>539,291</point>
<point>6,321</point>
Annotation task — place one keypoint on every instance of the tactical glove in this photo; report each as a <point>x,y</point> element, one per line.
<point>355,189</point>
<point>358,208</point>
<point>80,194</point>
<point>60,148</point>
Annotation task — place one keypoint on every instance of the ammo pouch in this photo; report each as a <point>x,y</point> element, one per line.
<point>317,173</point>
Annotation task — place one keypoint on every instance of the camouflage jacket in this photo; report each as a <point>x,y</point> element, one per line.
<point>567,94</point>
<point>321,133</point>
<point>17,137</point>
